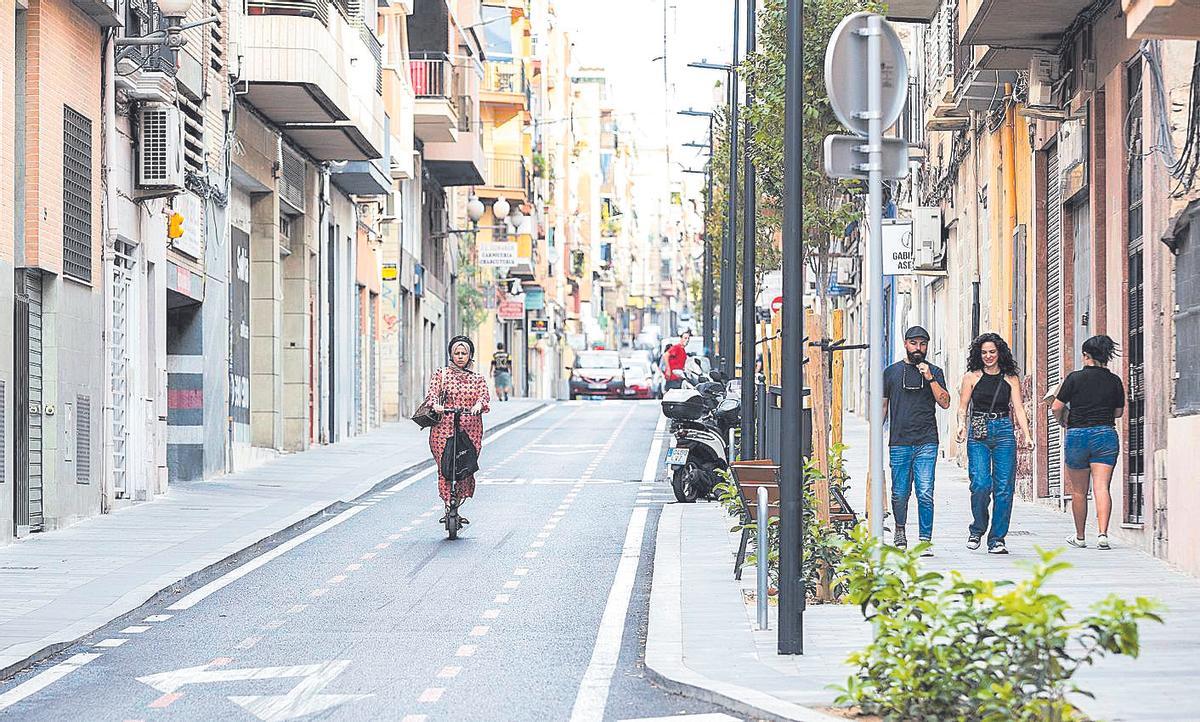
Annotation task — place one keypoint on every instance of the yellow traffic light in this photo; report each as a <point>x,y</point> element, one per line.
<point>175,226</point>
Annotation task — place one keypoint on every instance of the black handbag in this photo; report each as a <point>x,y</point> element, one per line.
<point>979,427</point>
<point>460,458</point>
<point>425,415</point>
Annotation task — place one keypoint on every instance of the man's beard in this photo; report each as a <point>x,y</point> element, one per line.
<point>915,357</point>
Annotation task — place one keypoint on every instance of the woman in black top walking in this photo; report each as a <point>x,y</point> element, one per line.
<point>1096,397</point>
<point>988,403</point>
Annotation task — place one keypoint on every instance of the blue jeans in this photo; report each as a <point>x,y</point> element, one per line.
<point>1091,445</point>
<point>992,464</point>
<point>914,466</point>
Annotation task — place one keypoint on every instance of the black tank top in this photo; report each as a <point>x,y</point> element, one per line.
<point>985,389</point>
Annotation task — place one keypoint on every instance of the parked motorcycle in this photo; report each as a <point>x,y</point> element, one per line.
<point>703,415</point>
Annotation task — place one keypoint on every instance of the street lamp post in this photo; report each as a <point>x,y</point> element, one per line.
<point>749,306</point>
<point>728,322</point>
<point>791,483</point>
<point>708,292</point>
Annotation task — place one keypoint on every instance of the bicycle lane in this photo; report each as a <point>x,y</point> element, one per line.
<point>375,606</point>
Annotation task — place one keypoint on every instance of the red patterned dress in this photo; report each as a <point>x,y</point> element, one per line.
<point>455,388</point>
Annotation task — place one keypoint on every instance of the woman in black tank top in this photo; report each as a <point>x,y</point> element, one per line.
<point>989,402</point>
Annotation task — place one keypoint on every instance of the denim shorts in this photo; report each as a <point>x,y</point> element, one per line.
<point>1091,445</point>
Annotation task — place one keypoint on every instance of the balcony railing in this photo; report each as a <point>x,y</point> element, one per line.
<point>507,172</point>
<point>305,8</point>
<point>432,75</point>
<point>505,77</point>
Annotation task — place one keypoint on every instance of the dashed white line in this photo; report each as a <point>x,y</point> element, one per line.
<point>449,672</point>
<point>383,545</point>
<point>512,584</point>
<point>394,537</point>
<point>502,598</point>
<point>336,580</point>
<point>109,643</point>
<point>531,555</point>
<point>491,613</point>
<point>353,567</point>
<point>297,608</point>
<point>368,556</point>
<point>249,642</point>
<point>318,592</point>
<point>135,629</point>
<point>466,650</point>
<point>274,624</point>
<point>158,618</point>
<point>538,543</point>
<point>543,535</point>
<point>433,694</point>
<point>520,571</point>
<point>479,631</point>
<point>414,718</point>
<point>228,578</point>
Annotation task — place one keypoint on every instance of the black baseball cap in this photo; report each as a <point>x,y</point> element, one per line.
<point>916,332</point>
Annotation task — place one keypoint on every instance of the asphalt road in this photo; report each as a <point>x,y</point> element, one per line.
<point>369,612</point>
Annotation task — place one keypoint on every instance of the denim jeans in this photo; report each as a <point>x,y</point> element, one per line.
<point>1091,445</point>
<point>914,466</point>
<point>992,464</point>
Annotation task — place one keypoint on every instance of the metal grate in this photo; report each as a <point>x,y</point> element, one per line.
<point>77,195</point>
<point>193,135</point>
<point>83,439</point>
<point>291,180</point>
<point>1053,318</point>
<point>1135,443</point>
<point>1187,319</point>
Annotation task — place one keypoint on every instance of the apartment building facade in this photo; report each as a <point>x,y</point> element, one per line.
<point>1057,143</point>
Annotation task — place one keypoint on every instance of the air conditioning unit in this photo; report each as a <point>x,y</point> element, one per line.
<point>160,147</point>
<point>929,247</point>
<point>1044,72</point>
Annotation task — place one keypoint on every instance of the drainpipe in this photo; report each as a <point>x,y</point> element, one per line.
<point>1008,147</point>
<point>109,130</point>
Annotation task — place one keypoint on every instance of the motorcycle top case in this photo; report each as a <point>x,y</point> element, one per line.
<point>684,405</point>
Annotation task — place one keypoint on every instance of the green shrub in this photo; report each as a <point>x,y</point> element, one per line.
<point>948,648</point>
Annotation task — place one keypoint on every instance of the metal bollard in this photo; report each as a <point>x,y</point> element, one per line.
<point>762,553</point>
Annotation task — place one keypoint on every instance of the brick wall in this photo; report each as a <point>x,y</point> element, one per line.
<point>64,68</point>
<point>7,129</point>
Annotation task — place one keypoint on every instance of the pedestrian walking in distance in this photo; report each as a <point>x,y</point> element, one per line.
<point>912,390</point>
<point>988,403</point>
<point>1088,403</point>
<point>502,372</point>
<point>456,386</point>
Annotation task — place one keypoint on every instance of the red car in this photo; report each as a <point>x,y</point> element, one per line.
<point>597,374</point>
<point>639,379</point>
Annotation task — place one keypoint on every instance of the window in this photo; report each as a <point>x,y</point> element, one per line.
<point>77,195</point>
<point>497,31</point>
<point>1187,319</point>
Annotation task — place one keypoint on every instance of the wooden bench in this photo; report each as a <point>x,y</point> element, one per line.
<point>749,476</point>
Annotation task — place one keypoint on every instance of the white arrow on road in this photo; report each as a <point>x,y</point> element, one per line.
<point>303,699</point>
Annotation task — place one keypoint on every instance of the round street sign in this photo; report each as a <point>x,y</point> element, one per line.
<point>846,73</point>
<point>777,304</point>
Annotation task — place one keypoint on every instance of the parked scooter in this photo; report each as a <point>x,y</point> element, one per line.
<point>702,415</point>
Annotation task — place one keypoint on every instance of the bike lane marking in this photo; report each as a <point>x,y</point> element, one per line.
<point>45,679</point>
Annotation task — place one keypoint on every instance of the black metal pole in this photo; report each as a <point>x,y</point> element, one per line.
<point>749,207</point>
<point>729,247</point>
<point>708,292</point>
<point>791,486</point>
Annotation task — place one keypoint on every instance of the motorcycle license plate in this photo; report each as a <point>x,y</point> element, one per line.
<point>598,387</point>
<point>677,457</point>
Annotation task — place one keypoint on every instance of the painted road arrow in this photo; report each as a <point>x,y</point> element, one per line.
<point>303,699</point>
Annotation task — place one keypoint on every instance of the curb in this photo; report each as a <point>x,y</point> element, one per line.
<point>133,599</point>
<point>664,641</point>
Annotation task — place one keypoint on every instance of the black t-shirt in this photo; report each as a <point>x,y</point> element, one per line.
<point>1093,393</point>
<point>911,404</point>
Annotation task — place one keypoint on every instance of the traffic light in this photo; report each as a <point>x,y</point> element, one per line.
<point>175,226</point>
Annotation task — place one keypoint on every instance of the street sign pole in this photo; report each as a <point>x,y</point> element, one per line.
<point>874,33</point>
<point>749,307</point>
<point>791,482</point>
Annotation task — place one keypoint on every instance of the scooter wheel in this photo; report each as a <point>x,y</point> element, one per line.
<point>683,483</point>
<point>452,526</point>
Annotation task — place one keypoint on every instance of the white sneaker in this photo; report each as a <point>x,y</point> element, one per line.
<point>928,551</point>
<point>1102,542</point>
<point>1076,542</point>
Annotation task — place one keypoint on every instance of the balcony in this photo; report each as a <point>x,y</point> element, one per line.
<point>505,85</point>
<point>459,162</point>
<point>1162,19</point>
<point>1028,24</point>
<point>433,80</point>
<point>507,177</point>
<point>304,70</point>
<point>365,177</point>
<point>912,11</point>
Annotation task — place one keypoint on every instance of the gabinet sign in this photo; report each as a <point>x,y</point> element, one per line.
<point>897,247</point>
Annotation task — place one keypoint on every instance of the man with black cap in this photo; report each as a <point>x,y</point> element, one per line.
<point>912,388</point>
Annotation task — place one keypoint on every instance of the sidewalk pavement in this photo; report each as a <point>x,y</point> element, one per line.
<point>703,640</point>
<point>62,585</point>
